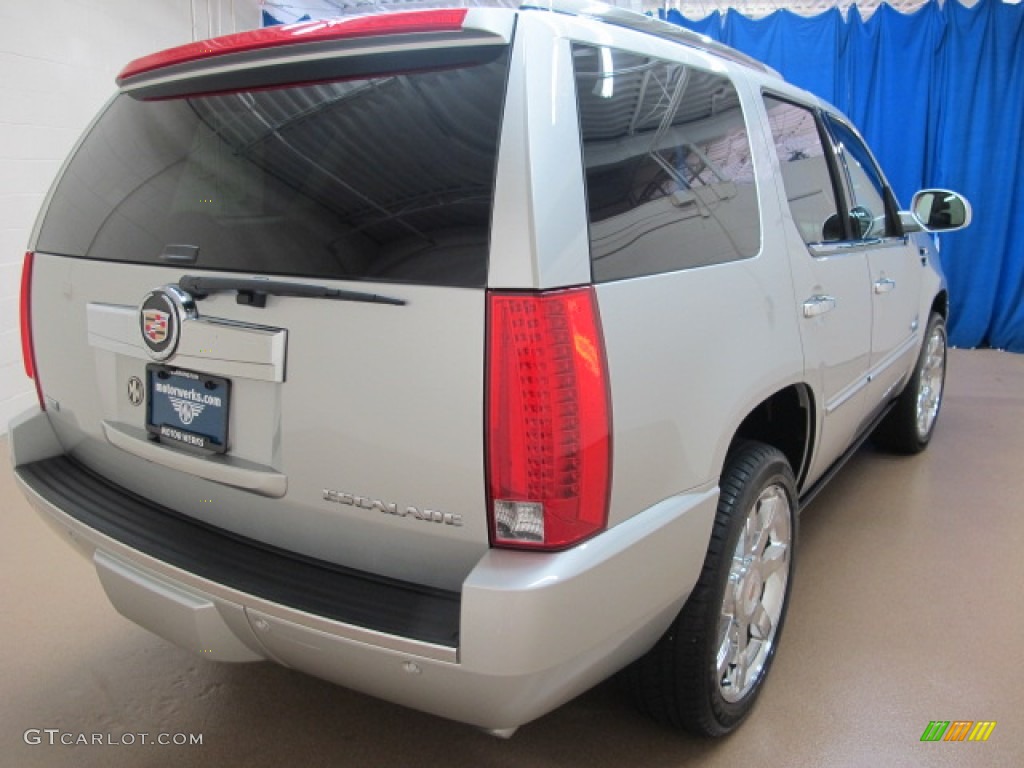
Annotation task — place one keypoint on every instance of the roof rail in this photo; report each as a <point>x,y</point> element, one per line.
<point>622,17</point>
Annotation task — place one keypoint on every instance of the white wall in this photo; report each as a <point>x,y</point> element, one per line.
<point>58,60</point>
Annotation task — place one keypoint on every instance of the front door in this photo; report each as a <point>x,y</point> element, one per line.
<point>894,264</point>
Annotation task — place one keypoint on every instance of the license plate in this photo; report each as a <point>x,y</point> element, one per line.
<point>188,409</point>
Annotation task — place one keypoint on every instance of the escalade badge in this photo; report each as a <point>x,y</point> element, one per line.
<point>388,508</point>
<point>161,316</point>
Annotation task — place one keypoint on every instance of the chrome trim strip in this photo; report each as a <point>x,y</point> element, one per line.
<point>209,344</point>
<point>894,357</point>
<point>846,394</point>
<point>824,250</point>
<point>887,362</point>
<point>138,559</point>
<point>222,468</point>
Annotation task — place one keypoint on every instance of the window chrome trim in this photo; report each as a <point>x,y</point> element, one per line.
<point>843,247</point>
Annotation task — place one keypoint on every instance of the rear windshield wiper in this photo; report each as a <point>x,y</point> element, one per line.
<point>253,292</point>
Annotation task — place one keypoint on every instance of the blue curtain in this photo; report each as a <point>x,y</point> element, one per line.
<point>939,95</point>
<point>805,50</point>
<point>979,146</point>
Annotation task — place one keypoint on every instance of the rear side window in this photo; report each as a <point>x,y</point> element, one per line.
<point>387,177</point>
<point>805,171</point>
<point>669,174</point>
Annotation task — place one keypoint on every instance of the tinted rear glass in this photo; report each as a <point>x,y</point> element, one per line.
<point>382,178</point>
<point>669,171</point>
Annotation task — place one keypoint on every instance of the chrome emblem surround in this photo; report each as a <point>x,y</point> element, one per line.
<point>161,316</point>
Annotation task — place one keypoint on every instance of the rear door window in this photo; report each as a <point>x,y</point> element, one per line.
<point>387,177</point>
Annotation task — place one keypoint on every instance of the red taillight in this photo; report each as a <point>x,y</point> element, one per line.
<point>28,350</point>
<point>406,22</point>
<point>548,419</point>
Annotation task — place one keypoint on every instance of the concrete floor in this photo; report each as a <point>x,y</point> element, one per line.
<point>908,606</point>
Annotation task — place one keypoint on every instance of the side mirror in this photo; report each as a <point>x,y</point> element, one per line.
<point>937,210</point>
<point>862,221</point>
<point>832,229</point>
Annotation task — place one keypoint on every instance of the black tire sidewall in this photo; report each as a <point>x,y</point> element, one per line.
<point>898,431</point>
<point>772,469</point>
<point>935,321</point>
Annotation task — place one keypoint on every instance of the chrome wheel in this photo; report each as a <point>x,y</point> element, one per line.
<point>908,427</point>
<point>706,672</point>
<point>929,388</point>
<point>755,594</point>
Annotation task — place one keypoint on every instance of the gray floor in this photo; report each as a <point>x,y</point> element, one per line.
<point>908,606</point>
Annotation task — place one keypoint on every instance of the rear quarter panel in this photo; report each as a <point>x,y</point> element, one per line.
<point>692,352</point>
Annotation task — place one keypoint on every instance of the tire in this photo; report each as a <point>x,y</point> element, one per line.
<point>694,677</point>
<point>909,426</point>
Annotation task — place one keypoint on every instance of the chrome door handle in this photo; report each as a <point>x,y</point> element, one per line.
<point>884,285</point>
<point>819,305</point>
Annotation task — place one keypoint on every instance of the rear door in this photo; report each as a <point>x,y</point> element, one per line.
<point>264,306</point>
<point>830,274</point>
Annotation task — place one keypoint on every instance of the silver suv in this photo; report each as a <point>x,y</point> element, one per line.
<point>466,357</point>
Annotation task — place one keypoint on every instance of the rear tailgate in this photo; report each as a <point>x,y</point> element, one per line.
<point>307,415</point>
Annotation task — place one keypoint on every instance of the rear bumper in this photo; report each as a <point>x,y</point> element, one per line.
<point>527,632</point>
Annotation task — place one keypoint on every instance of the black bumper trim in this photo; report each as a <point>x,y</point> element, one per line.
<point>324,589</point>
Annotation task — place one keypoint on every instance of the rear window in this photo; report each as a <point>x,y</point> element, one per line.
<point>386,178</point>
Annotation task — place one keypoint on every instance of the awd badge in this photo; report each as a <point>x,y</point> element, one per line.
<point>136,391</point>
